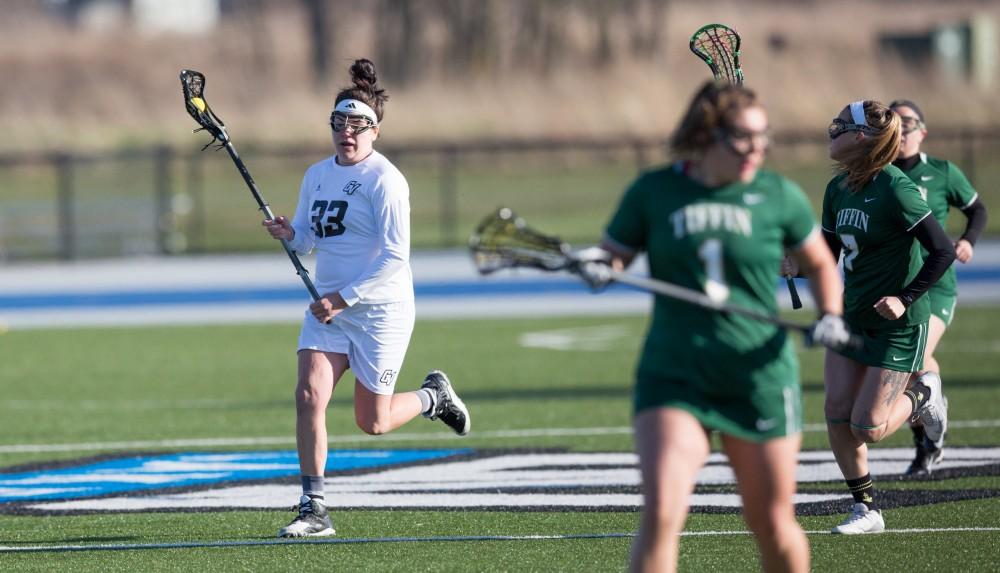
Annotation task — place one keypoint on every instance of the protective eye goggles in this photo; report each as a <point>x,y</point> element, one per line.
<point>743,142</point>
<point>839,127</point>
<point>911,124</point>
<point>358,123</point>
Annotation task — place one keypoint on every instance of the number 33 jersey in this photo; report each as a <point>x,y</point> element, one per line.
<point>725,241</point>
<point>880,255</point>
<point>357,218</point>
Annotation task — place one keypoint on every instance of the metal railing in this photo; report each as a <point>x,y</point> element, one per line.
<point>161,200</point>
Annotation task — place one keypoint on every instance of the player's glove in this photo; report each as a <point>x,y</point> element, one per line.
<point>831,331</point>
<point>593,264</point>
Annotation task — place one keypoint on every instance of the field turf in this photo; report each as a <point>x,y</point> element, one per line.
<point>89,389</point>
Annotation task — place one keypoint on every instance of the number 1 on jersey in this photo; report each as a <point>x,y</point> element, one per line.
<point>710,252</point>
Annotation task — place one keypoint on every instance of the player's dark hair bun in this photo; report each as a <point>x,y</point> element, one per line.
<point>364,76</point>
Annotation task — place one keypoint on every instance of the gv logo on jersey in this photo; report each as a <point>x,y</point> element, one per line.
<point>351,187</point>
<point>387,377</point>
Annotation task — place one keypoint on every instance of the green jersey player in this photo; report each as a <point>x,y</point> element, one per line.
<point>943,185</point>
<point>714,221</point>
<point>877,217</point>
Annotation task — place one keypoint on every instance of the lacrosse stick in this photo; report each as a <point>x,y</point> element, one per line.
<point>719,46</point>
<point>193,86</point>
<point>505,241</point>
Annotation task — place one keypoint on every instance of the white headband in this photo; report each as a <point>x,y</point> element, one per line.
<point>356,107</point>
<point>858,112</point>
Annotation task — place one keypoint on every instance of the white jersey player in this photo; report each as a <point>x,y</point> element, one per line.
<point>357,218</point>
<point>354,211</point>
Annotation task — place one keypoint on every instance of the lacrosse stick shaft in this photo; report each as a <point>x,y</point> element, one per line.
<point>299,269</point>
<point>793,292</point>
<point>700,299</point>
<point>193,87</point>
<point>504,240</point>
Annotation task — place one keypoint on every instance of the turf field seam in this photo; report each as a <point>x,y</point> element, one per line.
<point>354,438</point>
<point>427,539</point>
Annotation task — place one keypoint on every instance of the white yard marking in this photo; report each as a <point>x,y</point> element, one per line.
<point>598,480</point>
<point>591,338</point>
<point>466,538</point>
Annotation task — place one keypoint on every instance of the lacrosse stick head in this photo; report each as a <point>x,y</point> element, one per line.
<point>193,86</point>
<point>719,46</point>
<point>504,241</point>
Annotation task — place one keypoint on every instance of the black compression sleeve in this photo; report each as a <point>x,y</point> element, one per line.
<point>976,214</point>
<point>941,254</point>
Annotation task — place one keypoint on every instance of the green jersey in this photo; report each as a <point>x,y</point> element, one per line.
<point>880,256</point>
<point>726,238</point>
<point>943,185</point>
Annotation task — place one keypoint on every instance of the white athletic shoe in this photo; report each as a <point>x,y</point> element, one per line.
<point>313,520</point>
<point>862,520</point>
<point>934,412</point>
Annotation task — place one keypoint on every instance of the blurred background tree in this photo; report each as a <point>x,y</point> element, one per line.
<point>100,72</point>
<point>550,106</point>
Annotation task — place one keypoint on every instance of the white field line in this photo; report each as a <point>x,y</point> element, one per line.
<point>361,438</point>
<point>355,540</point>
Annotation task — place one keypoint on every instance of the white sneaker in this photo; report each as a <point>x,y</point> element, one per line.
<point>939,443</point>
<point>313,520</point>
<point>861,520</point>
<point>934,412</point>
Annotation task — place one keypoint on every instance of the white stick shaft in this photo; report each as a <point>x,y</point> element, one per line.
<point>699,298</point>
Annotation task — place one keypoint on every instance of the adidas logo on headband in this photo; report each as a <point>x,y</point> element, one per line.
<point>356,107</point>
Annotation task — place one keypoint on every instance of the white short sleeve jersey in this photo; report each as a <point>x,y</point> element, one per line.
<point>357,218</point>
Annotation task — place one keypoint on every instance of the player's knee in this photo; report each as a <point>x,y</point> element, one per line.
<point>307,398</point>
<point>662,518</point>
<point>764,529</point>
<point>869,435</point>
<point>770,524</point>
<point>371,425</point>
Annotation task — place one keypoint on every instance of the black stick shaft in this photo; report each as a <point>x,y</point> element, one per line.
<point>793,292</point>
<point>299,269</point>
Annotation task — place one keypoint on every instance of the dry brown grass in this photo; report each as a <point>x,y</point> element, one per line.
<point>76,89</point>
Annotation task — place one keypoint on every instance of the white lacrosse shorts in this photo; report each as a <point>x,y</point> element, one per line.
<point>373,336</point>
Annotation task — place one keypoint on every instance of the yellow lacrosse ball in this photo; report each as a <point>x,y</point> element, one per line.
<point>198,103</point>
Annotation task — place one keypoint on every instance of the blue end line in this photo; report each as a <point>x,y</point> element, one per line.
<point>154,298</point>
